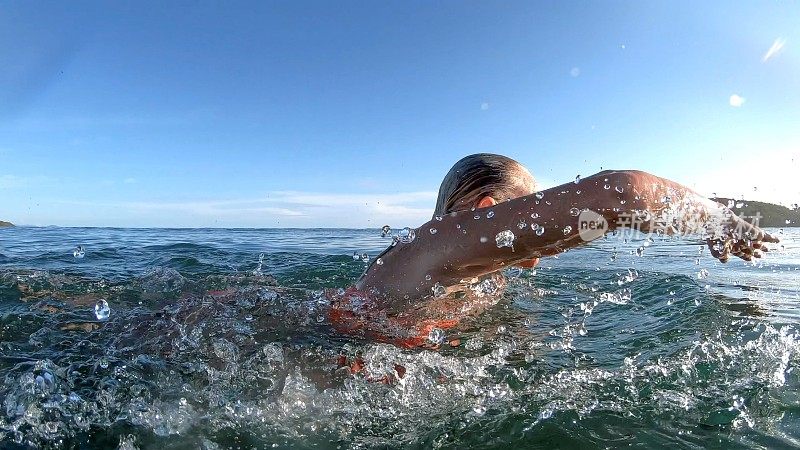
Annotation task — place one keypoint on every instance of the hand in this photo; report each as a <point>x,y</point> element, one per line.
<point>743,240</point>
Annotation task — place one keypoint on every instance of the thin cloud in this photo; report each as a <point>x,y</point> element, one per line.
<point>736,100</point>
<point>16,181</point>
<point>773,51</point>
<point>277,208</point>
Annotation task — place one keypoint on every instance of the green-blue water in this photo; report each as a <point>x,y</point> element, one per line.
<point>203,350</point>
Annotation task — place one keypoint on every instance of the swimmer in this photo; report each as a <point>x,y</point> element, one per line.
<point>489,216</point>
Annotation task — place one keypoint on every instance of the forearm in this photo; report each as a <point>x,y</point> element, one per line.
<point>472,243</point>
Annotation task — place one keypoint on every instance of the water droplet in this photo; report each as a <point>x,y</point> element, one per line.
<point>484,239</point>
<point>606,186</point>
<point>257,270</point>
<point>731,204</point>
<point>567,230</point>
<point>356,256</point>
<point>534,216</point>
<point>436,336</point>
<point>521,225</point>
<point>438,290</point>
<point>640,251</point>
<point>697,302</point>
<point>103,362</point>
<point>574,212</point>
<point>505,239</point>
<point>433,231</point>
<point>578,191</point>
<point>379,261</point>
<point>539,195</point>
<point>386,230</point>
<point>407,235</point>
<point>539,230</point>
<point>703,274</point>
<point>78,252</point>
<point>740,205</point>
<point>619,189</point>
<point>364,257</point>
<point>438,218</point>
<point>101,310</point>
<point>666,199</point>
<point>577,179</point>
<point>477,216</point>
<point>490,214</point>
<point>428,277</point>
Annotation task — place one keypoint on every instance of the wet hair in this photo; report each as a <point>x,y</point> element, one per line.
<point>480,175</point>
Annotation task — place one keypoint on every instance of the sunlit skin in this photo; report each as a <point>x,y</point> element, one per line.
<point>457,252</point>
<point>463,248</point>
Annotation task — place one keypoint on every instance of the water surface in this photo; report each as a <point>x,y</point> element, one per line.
<point>206,348</point>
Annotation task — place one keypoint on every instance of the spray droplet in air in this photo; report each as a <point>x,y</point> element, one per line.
<point>577,179</point>
<point>78,252</point>
<point>102,310</point>
<point>436,336</point>
<point>407,235</point>
<point>364,257</point>
<point>257,270</point>
<point>703,274</point>
<point>356,256</point>
<point>640,251</point>
<point>438,290</point>
<point>386,230</point>
<point>505,239</point>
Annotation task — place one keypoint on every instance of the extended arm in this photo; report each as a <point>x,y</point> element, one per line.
<point>472,243</point>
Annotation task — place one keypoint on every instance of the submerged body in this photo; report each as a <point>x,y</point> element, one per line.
<point>418,286</point>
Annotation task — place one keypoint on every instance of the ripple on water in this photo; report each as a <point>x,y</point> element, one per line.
<point>586,352</point>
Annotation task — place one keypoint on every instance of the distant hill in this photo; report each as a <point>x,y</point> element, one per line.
<point>770,215</point>
<point>5,224</point>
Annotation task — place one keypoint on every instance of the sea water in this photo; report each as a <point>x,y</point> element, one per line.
<point>219,338</point>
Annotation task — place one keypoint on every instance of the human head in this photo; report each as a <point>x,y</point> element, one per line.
<point>481,180</point>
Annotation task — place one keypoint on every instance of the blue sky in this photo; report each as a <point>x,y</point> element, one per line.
<point>348,113</point>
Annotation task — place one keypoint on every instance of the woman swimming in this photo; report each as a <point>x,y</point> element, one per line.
<point>489,217</point>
